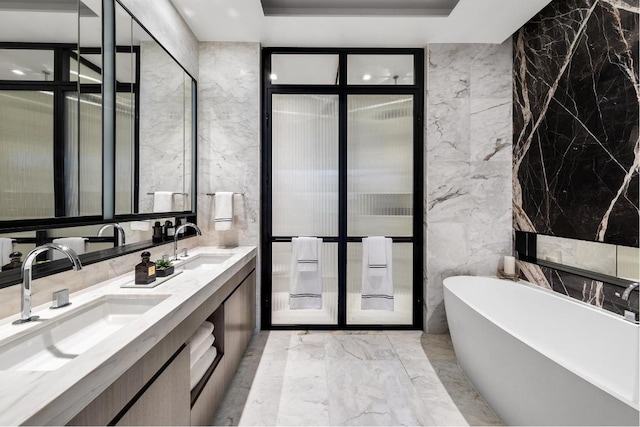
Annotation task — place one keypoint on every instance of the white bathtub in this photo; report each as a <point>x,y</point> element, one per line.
<point>540,358</point>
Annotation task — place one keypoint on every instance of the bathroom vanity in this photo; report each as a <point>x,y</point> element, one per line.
<point>136,369</point>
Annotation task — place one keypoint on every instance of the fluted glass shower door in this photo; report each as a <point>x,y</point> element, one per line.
<point>342,161</point>
<point>305,162</point>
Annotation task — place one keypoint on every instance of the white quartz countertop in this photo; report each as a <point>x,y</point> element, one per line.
<point>54,397</point>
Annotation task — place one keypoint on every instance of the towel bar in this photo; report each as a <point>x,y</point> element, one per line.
<point>184,194</point>
<point>213,194</point>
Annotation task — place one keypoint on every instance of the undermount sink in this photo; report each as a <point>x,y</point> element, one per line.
<point>55,342</point>
<point>206,262</point>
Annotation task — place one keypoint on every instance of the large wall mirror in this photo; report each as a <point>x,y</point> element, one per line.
<point>51,128</point>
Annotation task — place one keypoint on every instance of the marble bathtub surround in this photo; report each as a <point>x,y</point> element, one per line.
<point>351,378</point>
<point>576,142</point>
<point>468,166</point>
<point>43,288</point>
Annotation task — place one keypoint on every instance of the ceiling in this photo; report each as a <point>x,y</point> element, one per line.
<point>470,21</point>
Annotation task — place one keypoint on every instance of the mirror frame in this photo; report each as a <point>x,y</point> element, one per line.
<point>108,89</point>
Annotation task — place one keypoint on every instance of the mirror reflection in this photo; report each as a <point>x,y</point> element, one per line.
<point>51,115</point>
<point>164,123</point>
<point>613,260</point>
<point>86,239</point>
<point>51,126</point>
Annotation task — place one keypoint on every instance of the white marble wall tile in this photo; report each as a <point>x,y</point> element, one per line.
<point>229,135</point>
<point>491,71</point>
<point>490,127</point>
<point>468,180</point>
<point>448,192</point>
<point>447,255</point>
<point>449,69</point>
<point>448,130</point>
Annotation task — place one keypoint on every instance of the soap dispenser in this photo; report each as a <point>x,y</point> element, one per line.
<point>15,261</point>
<point>146,270</point>
<point>157,233</point>
<point>169,231</point>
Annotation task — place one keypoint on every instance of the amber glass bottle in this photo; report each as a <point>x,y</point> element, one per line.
<point>146,270</point>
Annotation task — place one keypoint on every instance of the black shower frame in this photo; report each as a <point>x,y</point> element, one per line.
<point>342,89</point>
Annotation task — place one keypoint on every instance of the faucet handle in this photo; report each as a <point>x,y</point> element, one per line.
<point>185,252</point>
<point>60,299</point>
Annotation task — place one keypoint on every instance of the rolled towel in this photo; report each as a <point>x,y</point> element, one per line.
<point>200,368</point>
<point>76,244</point>
<point>6,247</point>
<point>163,201</point>
<point>198,351</point>
<point>203,331</point>
<point>223,213</point>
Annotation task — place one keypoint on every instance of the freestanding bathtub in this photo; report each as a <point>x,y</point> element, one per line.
<point>540,358</point>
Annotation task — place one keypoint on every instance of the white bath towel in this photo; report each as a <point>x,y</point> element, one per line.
<point>200,335</point>
<point>163,201</point>
<point>305,287</point>
<point>200,368</point>
<point>377,290</point>
<point>377,256</point>
<point>76,244</point>
<point>6,247</point>
<point>196,352</point>
<point>223,213</point>
<point>308,249</point>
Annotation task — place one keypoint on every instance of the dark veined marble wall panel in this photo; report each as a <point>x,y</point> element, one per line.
<point>576,137</point>
<point>594,292</point>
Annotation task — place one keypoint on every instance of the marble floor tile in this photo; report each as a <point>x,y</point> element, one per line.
<point>263,402</point>
<point>351,378</point>
<point>407,346</point>
<point>305,346</point>
<point>373,393</point>
<point>359,347</point>
<point>305,397</point>
<point>433,394</point>
<point>236,397</point>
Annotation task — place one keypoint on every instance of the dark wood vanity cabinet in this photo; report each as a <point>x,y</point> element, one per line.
<point>156,389</point>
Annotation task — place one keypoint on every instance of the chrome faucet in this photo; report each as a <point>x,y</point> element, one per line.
<point>627,292</point>
<point>25,302</point>
<point>117,227</point>
<point>175,237</point>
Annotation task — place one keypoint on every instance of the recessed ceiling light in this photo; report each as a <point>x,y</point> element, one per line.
<point>366,77</point>
<point>273,76</point>
<point>233,13</point>
<point>82,76</point>
<point>18,72</point>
